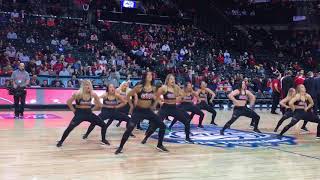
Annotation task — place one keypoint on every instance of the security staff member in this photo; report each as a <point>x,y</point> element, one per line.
<point>20,79</point>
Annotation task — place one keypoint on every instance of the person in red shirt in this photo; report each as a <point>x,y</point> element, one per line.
<point>276,93</point>
<point>299,79</point>
<point>70,59</point>
<point>58,67</point>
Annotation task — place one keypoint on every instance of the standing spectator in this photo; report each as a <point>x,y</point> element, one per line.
<point>300,78</point>
<point>276,89</point>
<point>310,84</point>
<point>287,82</point>
<point>20,79</point>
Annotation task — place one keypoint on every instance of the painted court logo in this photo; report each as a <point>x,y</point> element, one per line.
<point>210,136</point>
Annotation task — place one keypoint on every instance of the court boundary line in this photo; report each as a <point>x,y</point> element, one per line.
<point>295,153</point>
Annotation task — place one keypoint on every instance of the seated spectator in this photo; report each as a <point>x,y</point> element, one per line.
<point>55,42</point>
<point>54,82</point>
<point>38,61</point>
<point>58,84</point>
<point>70,59</point>
<point>103,60</point>
<point>34,81</point>
<point>227,57</point>
<point>44,71</point>
<point>69,84</point>
<point>75,81</point>
<point>58,66</point>
<point>30,40</point>
<point>64,72</point>
<point>45,83</point>
<point>64,41</point>
<point>94,37</point>
<point>12,35</point>
<point>165,47</point>
<point>7,70</point>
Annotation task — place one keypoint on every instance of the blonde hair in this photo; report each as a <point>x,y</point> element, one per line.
<point>175,86</point>
<point>290,92</point>
<point>298,89</point>
<point>81,92</point>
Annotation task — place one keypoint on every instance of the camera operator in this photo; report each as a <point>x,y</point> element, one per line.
<point>20,79</point>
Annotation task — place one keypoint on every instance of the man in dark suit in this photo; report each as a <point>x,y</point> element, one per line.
<point>287,82</point>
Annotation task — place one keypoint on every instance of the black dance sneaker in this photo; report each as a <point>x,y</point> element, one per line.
<point>162,148</point>
<point>85,136</point>
<point>144,141</point>
<point>188,140</point>
<point>132,135</point>
<point>273,112</point>
<point>279,136</point>
<point>118,151</point>
<point>59,144</point>
<point>305,129</point>
<point>139,128</point>
<point>119,123</point>
<point>257,131</point>
<point>200,126</point>
<point>105,142</point>
<point>221,132</point>
<point>275,130</point>
<point>213,123</point>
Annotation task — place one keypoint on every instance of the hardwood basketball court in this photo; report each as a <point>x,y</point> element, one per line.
<point>28,151</point>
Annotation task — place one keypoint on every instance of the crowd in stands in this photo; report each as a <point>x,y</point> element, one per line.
<point>61,47</point>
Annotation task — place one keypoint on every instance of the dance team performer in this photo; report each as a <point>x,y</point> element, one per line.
<point>288,112</point>
<point>84,112</point>
<point>144,110</point>
<point>301,105</point>
<point>111,108</point>
<point>240,97</point>
<point>187,104</point>
<point>171,93</point>
<point>203,94</point>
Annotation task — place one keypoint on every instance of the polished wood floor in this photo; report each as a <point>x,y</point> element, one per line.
<point>27,151</point>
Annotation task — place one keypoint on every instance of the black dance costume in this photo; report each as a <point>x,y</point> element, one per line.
<point>242,111</point>
<point>203,105</point>
<point>144,113</point>
<point>110,113</point>
<point>301,114</point>
<point>288,114</point>
<point>81,115</point>
<point>125,109</point>
<point>187,105</point>
<point>175,112</point>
